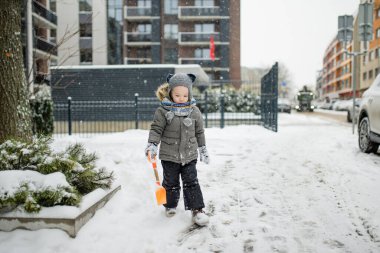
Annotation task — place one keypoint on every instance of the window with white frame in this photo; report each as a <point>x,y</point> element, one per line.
<point>378,33</point>
<point>171,31</point>
<point>210,28</point>
<point>171,7</point>
<point>144,3</point>
<point>144,28</point>
<point>202,53</point>
<point>204,3</point>
<point>371,55</point>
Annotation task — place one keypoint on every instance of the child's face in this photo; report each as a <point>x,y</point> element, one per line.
<point>180,94</point>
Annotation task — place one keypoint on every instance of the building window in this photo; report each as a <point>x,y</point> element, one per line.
<point>207,3</point>
<point>85,5</point>
<point>171,6</point>
<point>376,71</point>
<point>371,55</point>
<point>370,74</point>
<point>204,28</point>
<point>202,53</point>
<point>144,28</point>
<point>85,30</point>
<point>378,13</point>
<point>378,33</point>
<point>171,31</point>
<point>115,31</point>
<point>144,3</point>
<point>364,76</point>
<point>86,55</point>
<point>53,5</point>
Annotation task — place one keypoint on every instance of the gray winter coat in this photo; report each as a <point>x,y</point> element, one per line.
<point>179,143</point>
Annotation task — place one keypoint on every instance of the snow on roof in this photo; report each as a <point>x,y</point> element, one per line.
<point>134,66</point>
<point>178,68</point>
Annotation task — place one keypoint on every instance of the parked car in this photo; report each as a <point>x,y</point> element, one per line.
<point>343,105</point>
<point>349,110</point>
<point>369,118</point>
<point>328,105</point>
<point>284,105</point>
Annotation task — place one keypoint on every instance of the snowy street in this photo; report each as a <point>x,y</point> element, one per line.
<point>307,188</point>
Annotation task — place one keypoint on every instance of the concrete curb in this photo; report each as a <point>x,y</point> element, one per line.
<point>69,225</point>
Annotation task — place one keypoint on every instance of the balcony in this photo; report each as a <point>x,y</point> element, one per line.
<point>200,13</point>
<point>205,63</point>
<point>42,17</point>
<point>199,38</point>
<point>138,39</point>
<point>137,60</point>
<point>138,13</point>
<point>45,49</point>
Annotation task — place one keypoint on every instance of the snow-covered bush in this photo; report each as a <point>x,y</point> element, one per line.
<point>32,190</point>
<point>42,111</point>
<point>74,163</point>
<point>234,101</point>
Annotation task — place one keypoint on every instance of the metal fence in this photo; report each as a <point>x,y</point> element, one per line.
<point>90,117</point>
<point>218,109</point>
<point>269,96</point>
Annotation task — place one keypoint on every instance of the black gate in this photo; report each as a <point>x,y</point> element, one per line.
<point>269,94</point>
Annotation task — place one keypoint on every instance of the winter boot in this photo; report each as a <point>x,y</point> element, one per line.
<point>199,217</point>
<point>170,212</point>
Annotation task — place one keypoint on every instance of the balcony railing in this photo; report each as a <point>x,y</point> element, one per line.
<point>199,13</point>
<point>138,37</point>
<point>46,46</point>
<point>133,12</point>
<point>203,62</point>
<point>41,11</point>
<point>137,60</point>
<point>199,38</point>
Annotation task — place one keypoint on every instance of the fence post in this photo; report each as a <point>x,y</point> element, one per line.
<point>206,105</point>
<point>222,110</point>
<point>136,110</point>
<point>69,114</point>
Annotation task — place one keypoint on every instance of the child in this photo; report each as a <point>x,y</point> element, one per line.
<point>178,125</point>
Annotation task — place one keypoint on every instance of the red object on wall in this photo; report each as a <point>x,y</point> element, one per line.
<point>212,48</point>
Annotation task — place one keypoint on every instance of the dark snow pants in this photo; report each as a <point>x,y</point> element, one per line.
<point>192,193</point>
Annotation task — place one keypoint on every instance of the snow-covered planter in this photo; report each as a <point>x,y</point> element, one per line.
<point>75,166</point>
<point>32,190</point>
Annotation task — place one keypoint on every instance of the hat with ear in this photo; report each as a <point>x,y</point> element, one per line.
<point>181,79</point>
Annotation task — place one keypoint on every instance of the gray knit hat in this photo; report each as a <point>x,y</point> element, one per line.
<point>181,79</point>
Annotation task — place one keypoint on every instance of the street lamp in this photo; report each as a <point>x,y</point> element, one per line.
<point>346,34</point>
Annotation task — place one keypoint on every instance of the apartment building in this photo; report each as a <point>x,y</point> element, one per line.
<point>336,72</point>
<point>337,81</point>
<point>38,47</point>
<point>152,32</point>
<point>370,63</point>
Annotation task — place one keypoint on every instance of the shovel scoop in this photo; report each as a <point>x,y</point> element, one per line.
<point>160,191</point>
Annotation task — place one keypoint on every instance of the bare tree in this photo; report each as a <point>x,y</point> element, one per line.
<point>15,119</point>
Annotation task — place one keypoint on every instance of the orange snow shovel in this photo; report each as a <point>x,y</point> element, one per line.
<point>160,191</point>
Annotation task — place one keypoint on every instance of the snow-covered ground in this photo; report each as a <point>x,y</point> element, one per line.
<point>307,188</point>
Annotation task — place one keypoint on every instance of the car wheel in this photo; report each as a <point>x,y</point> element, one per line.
<point>365,144</point>
<point>349,119</point>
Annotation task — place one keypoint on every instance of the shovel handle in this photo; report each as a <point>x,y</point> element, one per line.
<point>154,164</point>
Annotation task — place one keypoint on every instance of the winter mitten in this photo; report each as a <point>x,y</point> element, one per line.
<point>152,149</point>
<point>203,154</point>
